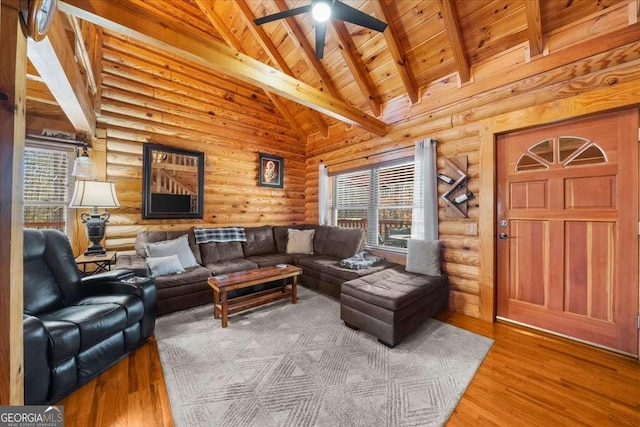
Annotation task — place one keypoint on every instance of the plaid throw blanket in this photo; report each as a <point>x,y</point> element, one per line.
<point>361,260</point>
<point>223,234</point>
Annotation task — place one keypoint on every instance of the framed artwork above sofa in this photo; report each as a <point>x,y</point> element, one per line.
<point>271,171</point>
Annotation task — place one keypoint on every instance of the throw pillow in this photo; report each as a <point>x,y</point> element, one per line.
<point>162,266</point>
<point>300,241</point>
<point>178,246</point>
<point>423,257</point>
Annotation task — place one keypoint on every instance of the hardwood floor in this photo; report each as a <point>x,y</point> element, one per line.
<point>528,379</point>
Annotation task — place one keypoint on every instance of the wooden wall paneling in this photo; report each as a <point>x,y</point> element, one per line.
<point>13,57</point>
<point>174,111</point>
<point>468,259</point>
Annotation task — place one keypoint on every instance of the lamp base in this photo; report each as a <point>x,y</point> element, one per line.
<point>95,251</point>
<point>95,224</point>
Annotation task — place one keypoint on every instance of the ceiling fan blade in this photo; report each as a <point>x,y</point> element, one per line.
<point>281,15</point>
<point>347,13</point>
<point>321,32</point>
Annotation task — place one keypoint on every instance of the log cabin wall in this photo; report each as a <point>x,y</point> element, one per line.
<point>149,97</point>
<point>465,120</point>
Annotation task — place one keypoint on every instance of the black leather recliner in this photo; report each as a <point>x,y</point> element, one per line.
<point>76,327</point>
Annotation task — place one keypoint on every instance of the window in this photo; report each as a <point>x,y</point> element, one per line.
<point>47,186</point>
<point>378,200</point>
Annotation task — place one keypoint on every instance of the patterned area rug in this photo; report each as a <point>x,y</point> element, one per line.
<point>298,365</point>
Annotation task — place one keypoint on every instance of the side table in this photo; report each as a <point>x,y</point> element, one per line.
<point>101,262</point>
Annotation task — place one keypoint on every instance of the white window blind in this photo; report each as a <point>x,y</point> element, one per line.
<point>47,187</point>
<point>378,200</point>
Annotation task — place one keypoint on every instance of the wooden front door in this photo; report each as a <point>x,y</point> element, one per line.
<point>567,241</point>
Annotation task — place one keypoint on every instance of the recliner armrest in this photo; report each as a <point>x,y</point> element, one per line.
<point>116,282</point>
<point>36,362</point>
<point>115,275</point>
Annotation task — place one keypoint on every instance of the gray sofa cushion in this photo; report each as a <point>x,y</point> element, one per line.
<point>260,241</point>
<point>159,236</point>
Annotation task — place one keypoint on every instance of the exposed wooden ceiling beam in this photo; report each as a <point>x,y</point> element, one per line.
<point>455,38</point>
<point>54,60</point>
<point>263,39</point>
<point>83,54</point>
<point>218,23</point>
<point>534,27</point>
<point>206,6</point>
<point>398,53</point>
<point>356,67</point>
<point>138,23</point>
<point>300,39</point>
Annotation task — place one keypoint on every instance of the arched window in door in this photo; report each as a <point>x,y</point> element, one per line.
<point>566,151</point>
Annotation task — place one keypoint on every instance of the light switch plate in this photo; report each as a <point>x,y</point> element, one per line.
<point>471,229</point>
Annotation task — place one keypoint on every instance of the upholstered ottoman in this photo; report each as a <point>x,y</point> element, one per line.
<point>391,303</point>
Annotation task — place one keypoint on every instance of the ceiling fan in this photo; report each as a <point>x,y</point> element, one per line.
<point>322,11</point>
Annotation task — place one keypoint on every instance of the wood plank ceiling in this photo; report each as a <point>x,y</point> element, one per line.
<point>429,46</point>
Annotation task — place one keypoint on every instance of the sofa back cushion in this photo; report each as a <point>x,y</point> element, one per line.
<point>260,241</point>
<point>339,242</point>
<point>213,252</point>
<point>178,247</point>
<point>280,234</point>
<point>51,276</point>
<point>159,236</point>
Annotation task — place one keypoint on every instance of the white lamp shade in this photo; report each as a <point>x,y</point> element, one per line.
<point>89,194</point>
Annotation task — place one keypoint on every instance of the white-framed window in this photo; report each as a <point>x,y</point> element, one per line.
<point>378,199</point>
<point>47,186</point>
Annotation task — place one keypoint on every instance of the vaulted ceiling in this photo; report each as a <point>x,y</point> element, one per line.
<point>366,79</point>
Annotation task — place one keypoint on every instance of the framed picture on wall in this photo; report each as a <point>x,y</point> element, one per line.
<point>271,171</point>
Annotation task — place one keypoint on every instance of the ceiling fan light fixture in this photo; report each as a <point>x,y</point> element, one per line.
<point>321,11</point>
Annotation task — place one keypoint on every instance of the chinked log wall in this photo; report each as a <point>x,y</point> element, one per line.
<point>462,119</point>
<point>147,97</point>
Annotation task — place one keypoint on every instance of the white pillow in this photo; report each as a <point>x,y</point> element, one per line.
<point>300,241</point>
<point>423,257</point>
<point>178,246</point>
<point>162,266</point>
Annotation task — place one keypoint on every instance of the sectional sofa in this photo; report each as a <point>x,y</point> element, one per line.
<point>264,246</point>
<point>386,300</point>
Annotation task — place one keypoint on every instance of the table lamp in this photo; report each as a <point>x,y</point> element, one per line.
<point>94,194</point>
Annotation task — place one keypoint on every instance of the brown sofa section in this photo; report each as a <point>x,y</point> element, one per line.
<point>265,246</point>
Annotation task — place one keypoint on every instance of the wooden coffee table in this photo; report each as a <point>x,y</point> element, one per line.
<point>224,283</point>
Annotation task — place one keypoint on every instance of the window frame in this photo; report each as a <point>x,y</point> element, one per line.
<point>372,210</point>
<point>32,143</point>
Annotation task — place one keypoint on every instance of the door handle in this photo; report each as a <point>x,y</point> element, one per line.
<point>503,236</point>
